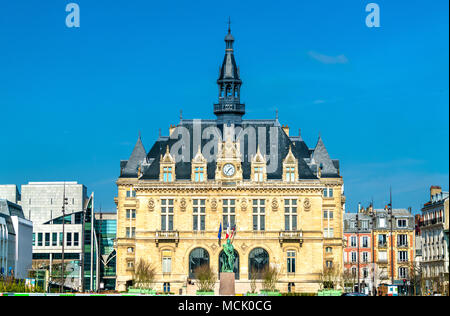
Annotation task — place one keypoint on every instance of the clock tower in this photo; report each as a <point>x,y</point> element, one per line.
<point>229,164</point>
<point>229,109</point>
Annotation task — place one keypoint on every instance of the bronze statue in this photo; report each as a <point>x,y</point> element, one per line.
<point>228,264</point>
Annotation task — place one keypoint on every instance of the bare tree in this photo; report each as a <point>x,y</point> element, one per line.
<point>270,278</point>
<point>144,275</point>
<point>206,278</point>
<point>253,278</point>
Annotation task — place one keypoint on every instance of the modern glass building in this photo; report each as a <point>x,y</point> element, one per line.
<point>105,229</point>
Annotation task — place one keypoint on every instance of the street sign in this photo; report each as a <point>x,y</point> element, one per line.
<point>392,290</point>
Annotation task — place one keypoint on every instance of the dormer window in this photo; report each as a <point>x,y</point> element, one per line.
<point>199,167</point>
<point>290,167</point>
<point>258,167</point>
<point>167,167</point>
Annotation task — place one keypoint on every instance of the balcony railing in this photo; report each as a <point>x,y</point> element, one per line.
<point>382,245</point>
<point>167,236</point>
<point>402,244</point>
<point>290,236</point>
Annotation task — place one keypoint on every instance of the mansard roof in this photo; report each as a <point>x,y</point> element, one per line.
<point>265,133</point>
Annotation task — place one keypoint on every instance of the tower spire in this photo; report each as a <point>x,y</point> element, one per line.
<point>229,108</point>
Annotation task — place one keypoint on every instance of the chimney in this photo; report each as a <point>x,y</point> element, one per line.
<point>285,129</point>
<point>359,207</point>
<point>434,189</point>
<point>171,129</point>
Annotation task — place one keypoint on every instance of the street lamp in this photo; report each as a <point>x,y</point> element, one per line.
<point>63,241</point>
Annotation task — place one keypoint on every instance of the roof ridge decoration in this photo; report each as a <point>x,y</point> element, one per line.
<point>258,158</point>
<point>199,158</point>
<point>167,158</point>
<point>290,158</point>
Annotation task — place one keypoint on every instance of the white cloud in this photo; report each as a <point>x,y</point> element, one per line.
<point>324,59</point>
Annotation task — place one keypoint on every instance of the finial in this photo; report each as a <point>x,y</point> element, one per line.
<point>139,134</point>
<point>160,132</point>
<point>181,115</point>
<point>229,25</point>
<point>276,114</point>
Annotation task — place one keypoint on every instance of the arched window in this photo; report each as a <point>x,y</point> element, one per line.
<point>258,260</point>
<point>223,257</point>
<point>197,258</point>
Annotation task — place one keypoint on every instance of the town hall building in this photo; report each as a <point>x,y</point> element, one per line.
<point>285,199</point>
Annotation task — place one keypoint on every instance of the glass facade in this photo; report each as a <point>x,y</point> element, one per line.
<point>105,229</point>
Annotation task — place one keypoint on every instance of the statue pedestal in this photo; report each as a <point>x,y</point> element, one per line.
<point>226,283</point>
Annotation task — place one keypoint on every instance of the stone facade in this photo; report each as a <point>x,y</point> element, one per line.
<point>285,199</point>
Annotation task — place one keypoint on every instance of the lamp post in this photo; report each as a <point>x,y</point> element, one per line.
<point>62,240</point>
<point>357,251</point>
<point>392,236</point>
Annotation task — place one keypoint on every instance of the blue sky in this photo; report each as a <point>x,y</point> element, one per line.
<point>72,100</point>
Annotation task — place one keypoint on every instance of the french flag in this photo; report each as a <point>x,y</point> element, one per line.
<point>227,235</point>
<point>233,231</point>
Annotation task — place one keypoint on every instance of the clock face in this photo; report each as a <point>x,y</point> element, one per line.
<point>229,169</point>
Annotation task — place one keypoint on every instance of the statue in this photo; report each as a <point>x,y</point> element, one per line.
<point>228,264</point>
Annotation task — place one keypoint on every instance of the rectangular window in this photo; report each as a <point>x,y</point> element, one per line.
<point>54,239</point>
<point>39,239</point>
<point>382,256</point>
<point>47,239</point>
<point>403,256</point>
<point>291,261</point>
<point>61,239</point>
<point>365,242</point>
<point>328,214</point>
<point>365,273</point>
<point>199,214</point>
<point>198,174</point>
<point>328,192</point>
<point>290,214</point>
<point>258,214</point>
<point>131,232</point>
<point>167,174</point>
<point>328,233</point>
<point>354,258</point>
<point>167,265</point>
<point>403,272</point>
<point>290,174</point>
<point>258,174</point>
<point>69,239</point>
<point>167,214</point>
<point>329,264</point>
<point>382,240</point>
<point>75,239</point>
<point>34,239</point>
<point>402,240</point>
<point>131,214</point>
<point>229,212</point>
<point>131,193</point>
<point>365,257</point>
<point>402,223</point>
<point>353,241</point>
<point>382,222</point>
<point>364,224</point>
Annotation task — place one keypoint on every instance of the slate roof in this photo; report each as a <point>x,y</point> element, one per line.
<point>308,160</point>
